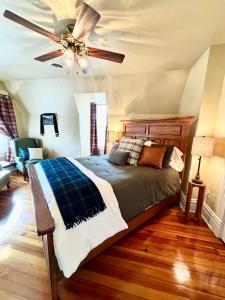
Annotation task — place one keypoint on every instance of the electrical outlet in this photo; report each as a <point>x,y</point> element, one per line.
<point>210,194</point>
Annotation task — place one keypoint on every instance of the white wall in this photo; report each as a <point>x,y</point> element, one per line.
<point>204,96</point>
<point>194,87</point>
<point>190,105</point>
<point>126,95</point>
<point>51,96</point>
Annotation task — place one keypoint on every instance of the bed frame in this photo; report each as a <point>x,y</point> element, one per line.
<point>165,130</point>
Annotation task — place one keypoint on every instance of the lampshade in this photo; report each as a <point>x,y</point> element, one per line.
<point>202,146</point>
<point>113,136</point>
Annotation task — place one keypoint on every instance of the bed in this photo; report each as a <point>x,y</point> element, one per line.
<point>166,131</point>
<point>136,188</point>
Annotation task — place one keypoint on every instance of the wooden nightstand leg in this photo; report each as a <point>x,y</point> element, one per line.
<point>201,196</point>
<point>188,201</point>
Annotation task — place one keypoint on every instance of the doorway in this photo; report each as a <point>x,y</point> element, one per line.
<point>83,102</point>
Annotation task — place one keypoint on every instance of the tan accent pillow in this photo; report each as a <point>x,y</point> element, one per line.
<point>152,157</point>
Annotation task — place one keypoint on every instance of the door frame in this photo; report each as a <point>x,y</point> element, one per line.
<point>220,210</point>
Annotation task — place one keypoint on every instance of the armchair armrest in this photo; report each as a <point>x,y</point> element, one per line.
<point>19,159</point>
<point>45,155</point>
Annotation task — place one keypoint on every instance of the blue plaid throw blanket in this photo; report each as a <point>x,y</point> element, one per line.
<point>77,196</point>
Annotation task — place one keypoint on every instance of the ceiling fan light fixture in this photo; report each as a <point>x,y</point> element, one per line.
<point>69,58</point>
<point>73,41</point>
<point>83,64</point>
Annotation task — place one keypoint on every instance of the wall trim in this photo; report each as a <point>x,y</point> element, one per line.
<point>208,215</point>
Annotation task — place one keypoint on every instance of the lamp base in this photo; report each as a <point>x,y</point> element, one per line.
<point>197,181</point>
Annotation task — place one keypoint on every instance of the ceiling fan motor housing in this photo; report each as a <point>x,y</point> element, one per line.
<point>69,42</point>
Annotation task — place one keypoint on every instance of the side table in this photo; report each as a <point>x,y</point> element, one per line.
<point>200,199</point>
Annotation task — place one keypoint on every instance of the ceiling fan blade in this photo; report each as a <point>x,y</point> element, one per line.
<point>49,55</point>
<point>86,21</point>
<point>104,54</point>
<point>15,18</point>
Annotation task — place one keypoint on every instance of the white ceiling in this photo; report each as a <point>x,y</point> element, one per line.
<point>155,35</point>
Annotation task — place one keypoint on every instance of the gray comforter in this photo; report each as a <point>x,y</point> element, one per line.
<point>136,188</point>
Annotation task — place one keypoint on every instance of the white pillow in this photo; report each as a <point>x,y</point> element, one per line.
<point>35,153</point>
<point>176,161</point>
<point>148,143</point>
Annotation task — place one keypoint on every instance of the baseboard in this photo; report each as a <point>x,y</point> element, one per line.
<point>183,202</point>
<point>208,215</point>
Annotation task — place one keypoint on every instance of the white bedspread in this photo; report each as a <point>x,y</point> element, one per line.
<point>73,245</point>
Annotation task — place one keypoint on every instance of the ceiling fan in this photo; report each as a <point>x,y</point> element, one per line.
<point>73,41</point>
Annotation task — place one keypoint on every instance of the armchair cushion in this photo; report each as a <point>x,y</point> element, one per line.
<point>31,161</point>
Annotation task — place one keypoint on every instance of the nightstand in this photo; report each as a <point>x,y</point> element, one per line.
<point>200,199</point>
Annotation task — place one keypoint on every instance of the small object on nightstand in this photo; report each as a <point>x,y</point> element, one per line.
<point>200,199</point>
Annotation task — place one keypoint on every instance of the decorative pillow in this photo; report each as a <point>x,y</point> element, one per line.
<point>24,153</point>
<point>134,147</point>
<point>148,143</point>
<point>115,146</point>
<point>35,153</point>
<point>168,154</point>
<point>118,157</point>
<point>176,160</point>
<point>152,157</point>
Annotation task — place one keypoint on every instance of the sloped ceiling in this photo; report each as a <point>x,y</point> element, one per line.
<point>155,35</point>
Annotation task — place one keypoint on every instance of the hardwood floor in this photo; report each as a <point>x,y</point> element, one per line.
<point>166,258</point>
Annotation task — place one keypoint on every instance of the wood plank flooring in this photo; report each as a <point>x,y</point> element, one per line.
<point>167,258</point>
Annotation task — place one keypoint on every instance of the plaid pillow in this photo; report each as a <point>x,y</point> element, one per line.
<point>134,146</point>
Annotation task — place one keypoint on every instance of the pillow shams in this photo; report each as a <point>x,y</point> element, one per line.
<point>134,147</point>
<point>148,143</point>
<point>176,160</point>
<point>118,157</point>
<point>152,157</point>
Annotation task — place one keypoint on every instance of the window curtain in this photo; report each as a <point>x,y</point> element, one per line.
<point>94,134</point>
<point>8,123</point>
<point>106,138</point>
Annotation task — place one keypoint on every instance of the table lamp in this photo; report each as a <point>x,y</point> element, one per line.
<point>113,136</point>
<point>203,147</point>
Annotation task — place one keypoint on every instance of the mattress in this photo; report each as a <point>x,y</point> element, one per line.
<point>136,188</point>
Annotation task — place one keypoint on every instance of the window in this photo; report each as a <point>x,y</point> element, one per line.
<point>101,126</point>
<point>3,145</point>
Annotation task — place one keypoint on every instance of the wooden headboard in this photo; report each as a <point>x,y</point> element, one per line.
<point>173,131</point>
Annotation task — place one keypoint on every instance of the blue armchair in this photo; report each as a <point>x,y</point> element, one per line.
<point>21,164</point>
